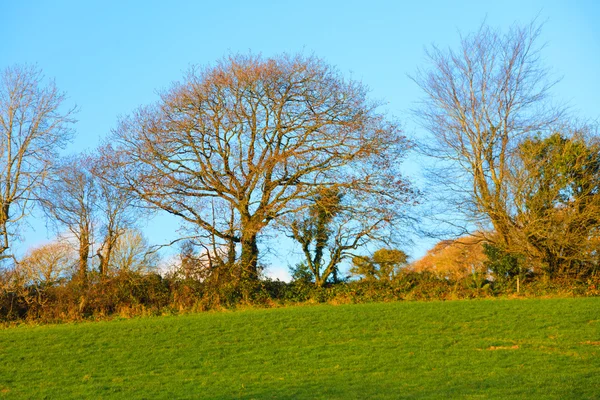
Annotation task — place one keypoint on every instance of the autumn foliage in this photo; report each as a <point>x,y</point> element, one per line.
<point>454,259</point>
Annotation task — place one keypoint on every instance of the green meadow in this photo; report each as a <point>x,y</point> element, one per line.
<point>498,349</point>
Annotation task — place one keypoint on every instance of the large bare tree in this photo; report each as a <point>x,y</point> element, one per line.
<point>480,102</point>
<point>238,145</point>
<point>34,126</point>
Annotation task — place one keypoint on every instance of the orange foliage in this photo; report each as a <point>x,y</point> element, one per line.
<point>453,259</point>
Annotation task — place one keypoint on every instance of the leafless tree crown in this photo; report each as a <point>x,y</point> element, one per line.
<point>33,127</point>
<point>238,145</point>
<point>480,102</point>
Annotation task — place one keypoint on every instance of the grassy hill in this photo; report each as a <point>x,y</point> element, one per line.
<point>461,349</point>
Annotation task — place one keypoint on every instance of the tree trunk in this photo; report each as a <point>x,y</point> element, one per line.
<point>107,247</point>
<point>231,254</point>
<point>249,257</point>
<point>84,253</point>
<point>4,210</point>
<point>102,262</point>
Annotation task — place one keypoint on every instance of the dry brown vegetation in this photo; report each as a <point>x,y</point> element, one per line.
<point>454,259</point>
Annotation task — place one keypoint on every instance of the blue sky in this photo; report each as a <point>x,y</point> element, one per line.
<point>112,56</point>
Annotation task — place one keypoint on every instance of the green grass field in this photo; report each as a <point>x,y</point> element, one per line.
<point>460,349</point>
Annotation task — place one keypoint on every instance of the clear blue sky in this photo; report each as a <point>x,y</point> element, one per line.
<point>112,56</point>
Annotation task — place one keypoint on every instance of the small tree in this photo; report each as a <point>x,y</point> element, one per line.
<point>41,268</point>
<point>47,264</point>
<point>504,266</point>
<point>302,274</point>
<point>132,252</point>
<point>313,233</point>
<point>456,260</point>
<point>383,265</point>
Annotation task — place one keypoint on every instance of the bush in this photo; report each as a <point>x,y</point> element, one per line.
<point>127,294</point>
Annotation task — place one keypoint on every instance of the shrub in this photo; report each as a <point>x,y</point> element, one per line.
<point>129,293</point>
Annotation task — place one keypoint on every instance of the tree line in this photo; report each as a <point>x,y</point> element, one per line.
<point>287,145</point>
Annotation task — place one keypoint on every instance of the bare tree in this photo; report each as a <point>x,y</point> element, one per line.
<point>480,102</point>
<point>78,198</point>
<point>46,264</point>
<point>33,127</point>
<point>69,200</point>
<point>132,252</point>
<point>257,137</point>
<point>41,268</point>
<point>116,208</point>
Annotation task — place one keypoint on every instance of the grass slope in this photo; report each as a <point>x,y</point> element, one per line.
<point>461,349</point>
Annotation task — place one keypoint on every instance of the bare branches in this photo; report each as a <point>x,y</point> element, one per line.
<point>480,102</point>
<point>79,198</point>
<point>69,200</point>
<point>257,137</point>
<point>33,127</point>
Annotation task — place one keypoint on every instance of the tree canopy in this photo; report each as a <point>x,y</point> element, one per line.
<point>250,140</point>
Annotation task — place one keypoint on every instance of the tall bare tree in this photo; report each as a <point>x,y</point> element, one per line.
<point>78,198</point>
<point>480,101</point>
<point>33,127</point>
<point>69,200</point>
<point>258,137</point>
<point>116,208</point>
